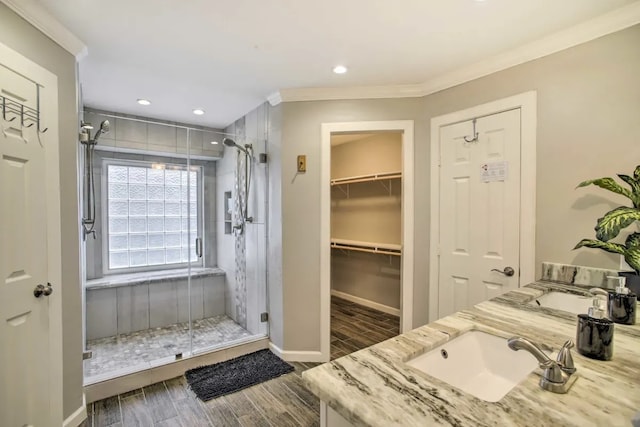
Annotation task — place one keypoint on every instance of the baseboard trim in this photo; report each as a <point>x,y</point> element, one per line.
<point>297,356</point>
<point>78,416</point>
<point>367,303</point>
<point>125,383</point>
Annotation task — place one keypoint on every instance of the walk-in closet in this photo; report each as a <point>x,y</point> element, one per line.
<point>366,239</point>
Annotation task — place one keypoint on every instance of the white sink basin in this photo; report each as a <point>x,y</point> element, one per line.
<point>576,304</point>
<point>477,363</point>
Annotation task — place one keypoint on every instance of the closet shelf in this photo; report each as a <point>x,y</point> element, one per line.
<point>367,178</point>
<point>370,247</point>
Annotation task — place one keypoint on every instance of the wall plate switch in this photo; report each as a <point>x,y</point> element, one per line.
<point>302,163</point>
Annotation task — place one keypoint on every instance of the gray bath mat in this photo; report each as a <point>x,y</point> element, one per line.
<point>222,378</point>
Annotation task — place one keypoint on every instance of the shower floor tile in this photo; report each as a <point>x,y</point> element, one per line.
<point>126,353</point>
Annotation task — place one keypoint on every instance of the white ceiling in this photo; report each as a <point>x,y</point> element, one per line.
<point>227,56</point>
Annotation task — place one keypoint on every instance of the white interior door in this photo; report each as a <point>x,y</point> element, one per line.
<point>479,211</point>
<point>26,361</point>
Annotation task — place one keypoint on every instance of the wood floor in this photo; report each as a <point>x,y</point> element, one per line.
<point>354,327</point>
<point>281,402</point>
<point>284,401</point>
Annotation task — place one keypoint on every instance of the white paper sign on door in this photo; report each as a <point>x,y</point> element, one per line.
<point>494,171</point>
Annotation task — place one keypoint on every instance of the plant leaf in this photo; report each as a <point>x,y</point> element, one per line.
<point>632,257</point>
<point>635,189</point>
<point>614,248</point>
<point>612,222</point>
<point>633,241</point>
<point>636,173</point>
<point>608,184</point>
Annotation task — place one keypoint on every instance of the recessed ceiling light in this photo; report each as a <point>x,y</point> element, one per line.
<point>339,69</point>
<point>144,101</point>
<point>198,111</point>
<point>214,142</point>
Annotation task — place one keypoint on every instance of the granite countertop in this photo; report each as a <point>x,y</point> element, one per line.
<point>374,387</point>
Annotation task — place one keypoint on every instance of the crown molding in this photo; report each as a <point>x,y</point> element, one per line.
<point>274,99</point>
<point>351,92</point>
<point>608,23</point>
<point>35,14</point>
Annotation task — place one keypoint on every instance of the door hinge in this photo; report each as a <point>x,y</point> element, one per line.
<point>87,355</point>
<point>264,317</point>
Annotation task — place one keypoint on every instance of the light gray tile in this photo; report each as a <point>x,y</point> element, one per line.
<point>129,130</point>
<point>182,293</point>
<point>196,140</point>
<point>141,146</point>
<point>164,150</point>
<point>133,308</point>
<point>101,313</point>
<point>214,295</point>
<point>163,304</point>
<point>181,139</point>
<point>162,135</point>
<point>197,298</point>
<point>197,304</point>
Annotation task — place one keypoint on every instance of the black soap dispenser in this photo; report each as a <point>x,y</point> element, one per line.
<point>622,303</point>
<point>594,337</point>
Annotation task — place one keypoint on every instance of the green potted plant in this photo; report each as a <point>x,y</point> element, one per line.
<point>609,226</point>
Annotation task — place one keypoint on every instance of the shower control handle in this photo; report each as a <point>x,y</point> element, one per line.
<point>199,247</point>
<point>43,290</point>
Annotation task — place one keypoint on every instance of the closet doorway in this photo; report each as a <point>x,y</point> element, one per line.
<point>366,234</point>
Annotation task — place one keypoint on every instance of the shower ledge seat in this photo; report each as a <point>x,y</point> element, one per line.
<point>149,277</point>
<point>125,303</point>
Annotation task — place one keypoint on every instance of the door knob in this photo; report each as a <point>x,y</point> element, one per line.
<point>508,271</point>
<point>43,290</point>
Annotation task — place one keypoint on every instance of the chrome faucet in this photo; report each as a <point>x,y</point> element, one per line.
<point>555,377</point>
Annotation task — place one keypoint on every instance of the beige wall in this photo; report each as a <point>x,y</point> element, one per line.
<point>301,205</point>
<point>378,153</point>
<point>588,126</point>
<point>28,41</point>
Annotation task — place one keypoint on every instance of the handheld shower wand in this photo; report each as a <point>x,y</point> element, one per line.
<point>248,164</point>
<point>231,143</point>
<point>89,220</point>
<point>104,128</point>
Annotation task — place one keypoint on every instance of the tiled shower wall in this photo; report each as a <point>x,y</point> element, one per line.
<point>243,257</point>
<point>136,140</point>
<point>137,307</point>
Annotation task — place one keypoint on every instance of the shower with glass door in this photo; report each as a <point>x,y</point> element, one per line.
<point>164,280</point>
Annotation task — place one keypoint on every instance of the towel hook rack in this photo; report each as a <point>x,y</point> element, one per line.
<point>475,134</point>
<point>28,116</point>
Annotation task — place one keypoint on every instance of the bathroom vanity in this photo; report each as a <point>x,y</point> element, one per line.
<point>385,385</point>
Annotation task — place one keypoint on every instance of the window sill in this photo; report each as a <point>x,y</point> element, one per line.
<point>148,277</point>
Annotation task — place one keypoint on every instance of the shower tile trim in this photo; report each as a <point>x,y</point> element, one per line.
<point>150,277</point>
<point>576,274</point>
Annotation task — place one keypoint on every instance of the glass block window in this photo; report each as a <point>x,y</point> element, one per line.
<point>152,215</point>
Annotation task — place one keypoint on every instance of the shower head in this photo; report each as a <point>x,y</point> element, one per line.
<point>231,143</point>
<point>104,128</point>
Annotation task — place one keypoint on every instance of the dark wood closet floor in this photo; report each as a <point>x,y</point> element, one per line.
<point>354,327</point>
